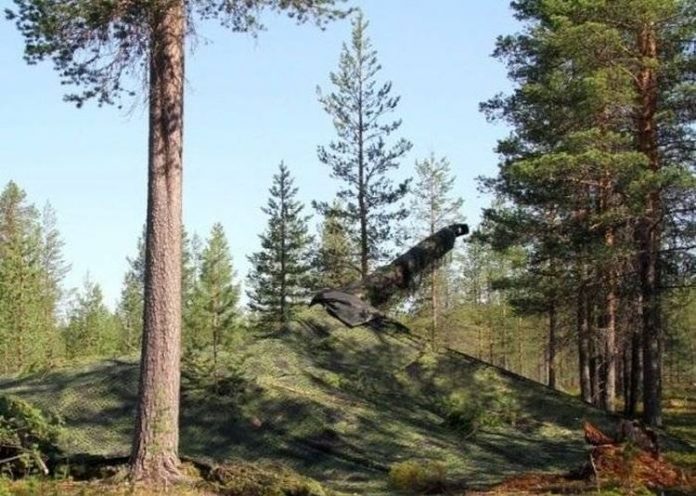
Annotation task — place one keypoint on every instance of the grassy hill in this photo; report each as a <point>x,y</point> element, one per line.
<point>340,405</point>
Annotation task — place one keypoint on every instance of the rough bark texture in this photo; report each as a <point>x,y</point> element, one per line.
<point>154,457</point>
<point>552,347</point>
<point>584,348</point>
<point>649,231</point>
<point>609,396</point>
<point>636,375</point>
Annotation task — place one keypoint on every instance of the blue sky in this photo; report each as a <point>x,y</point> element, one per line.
<point>250,103</point>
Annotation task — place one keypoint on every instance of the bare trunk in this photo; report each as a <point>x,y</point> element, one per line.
<point>649,232</point>
<point>154,456</point>
<point>610,337</point>
<point>636,375</point>
<point>595,363</point>
<point>552,346</point>
<point>434,308</point>
<point>583,348</point>
<point>283,258</point>
<point>520,367</point>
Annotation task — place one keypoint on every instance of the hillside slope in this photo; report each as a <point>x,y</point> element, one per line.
<point>338,404</point>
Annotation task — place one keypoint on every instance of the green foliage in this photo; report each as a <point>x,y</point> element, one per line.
<point>488,407</point>
<point>212,314</point>
<point>28,437</point>
<point>280,278</point>
<point>98,47</point>
<point>593,150</point>
<point>336,263</point>
<point>418,476</point>
<point>31,272</point>
<point>130,306</point>
<point>432,208</point>
<point>92,330</point>
<point>361,158</point>
<point>220,376</point>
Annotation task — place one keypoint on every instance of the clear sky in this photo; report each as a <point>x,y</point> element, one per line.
<point>250,103</point>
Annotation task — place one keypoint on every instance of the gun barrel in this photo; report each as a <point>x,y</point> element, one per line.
<point>403,272</point>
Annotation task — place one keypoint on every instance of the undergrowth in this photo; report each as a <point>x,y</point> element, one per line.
<point>28,438</point>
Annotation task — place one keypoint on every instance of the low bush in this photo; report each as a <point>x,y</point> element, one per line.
<point>28,438</point>
<point>247,479</point>
<point>418,476</point>
<point>491,406</point>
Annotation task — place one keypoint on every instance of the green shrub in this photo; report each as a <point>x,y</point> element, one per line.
<point>418,476</point>
<point>251,479</point>
<point>489,405</point>
<point>28,437</point>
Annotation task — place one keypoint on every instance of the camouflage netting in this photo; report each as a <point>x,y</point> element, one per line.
<point>355,304</point>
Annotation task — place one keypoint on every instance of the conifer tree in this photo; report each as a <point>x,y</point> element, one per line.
<point>600,146</point>
<point>92,330</point>
<point>130,306</point>
<point>361,157</point>
<point>97,47</point>
<point>335,263</point>
<point>215,315</point>
<point>53,269</point>
<point>280,276</point>
<point>22,282</point>
<point>432,208</point>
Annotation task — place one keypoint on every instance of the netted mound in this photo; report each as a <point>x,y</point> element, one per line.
<point>341,405</point>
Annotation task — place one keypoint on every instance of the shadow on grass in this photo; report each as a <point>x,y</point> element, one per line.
<point>339,404</point>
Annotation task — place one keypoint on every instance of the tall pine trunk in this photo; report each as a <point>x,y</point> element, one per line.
<point>649,232</point>
<point>583,347</point>
<point>552,346</point>
<point>154,456</point>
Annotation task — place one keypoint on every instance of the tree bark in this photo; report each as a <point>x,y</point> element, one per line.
<point>154,456</point>
<point>609,397</point>
<point>649,230</point>
<point>552,346</point>
<point>583,347</point>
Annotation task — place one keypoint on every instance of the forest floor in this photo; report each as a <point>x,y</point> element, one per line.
<point>354,409</point>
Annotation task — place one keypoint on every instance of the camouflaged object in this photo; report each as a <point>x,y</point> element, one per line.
<point>355,304</point>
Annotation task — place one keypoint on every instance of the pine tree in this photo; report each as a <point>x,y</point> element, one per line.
<point>599,150</point>
<point>361,158</point>
<point>335,262</point>
<point>280,277</point>
<point>433,208</point>
<point>97,47</point>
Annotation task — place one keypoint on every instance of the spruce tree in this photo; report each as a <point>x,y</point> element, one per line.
<point>361,158</point>
<point>91,330</point>
<point>335,263</point>
<point>280,276</point>
<point>54,269</point>
<point>215,313</point>
<point>130,306</point>
<point>22,282</point>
